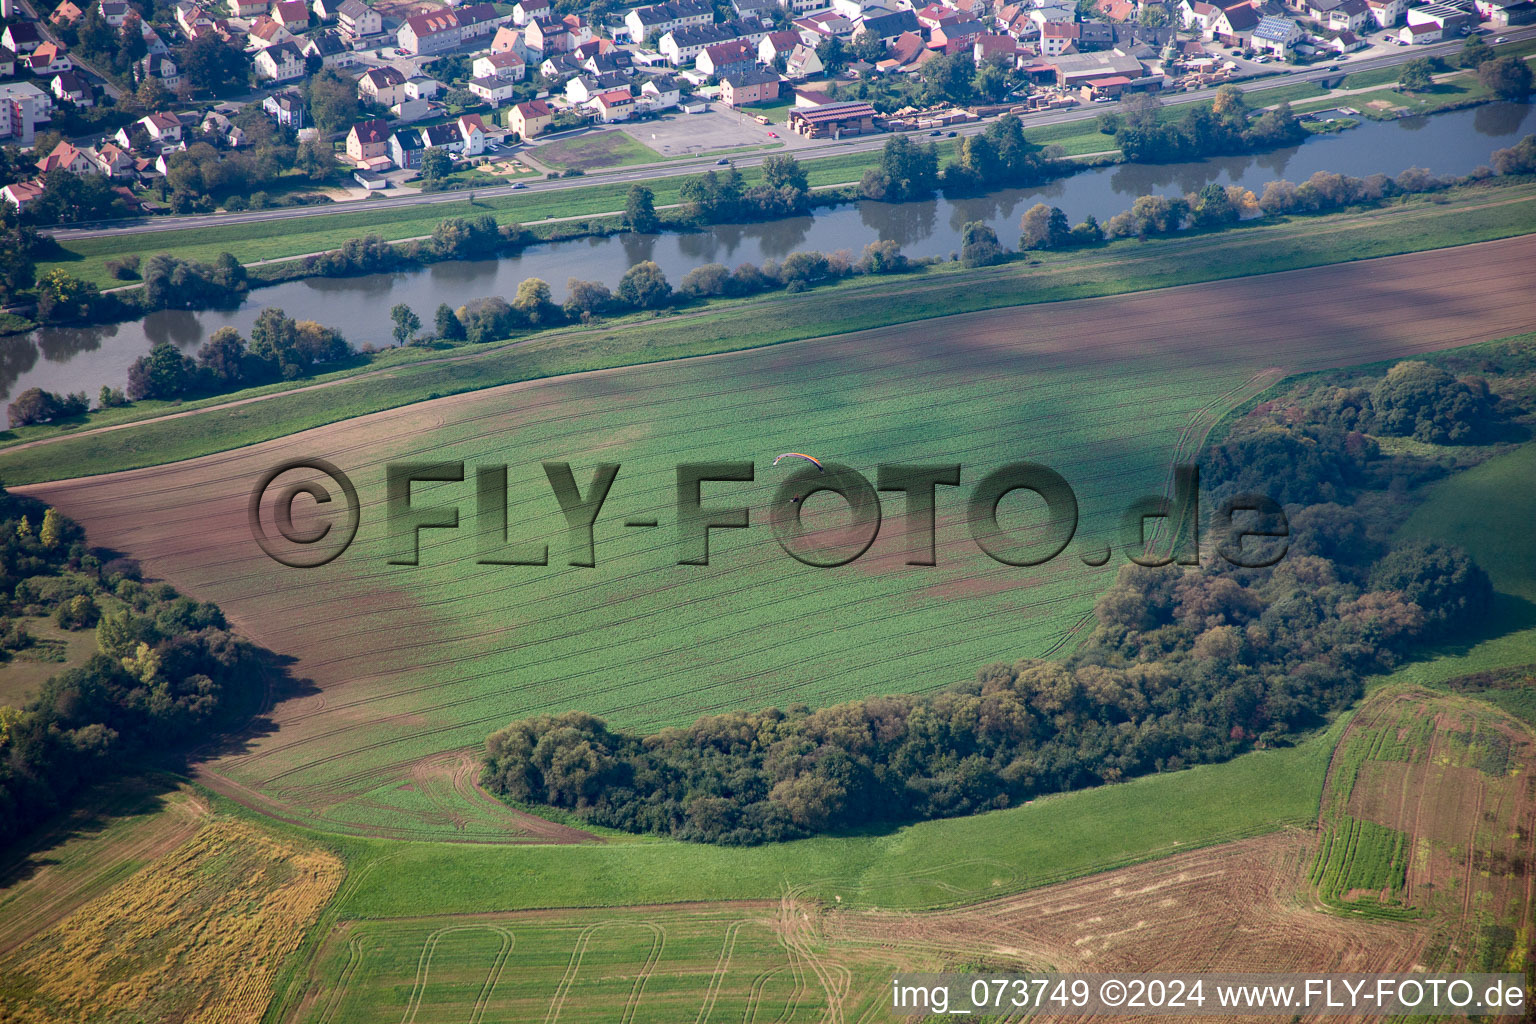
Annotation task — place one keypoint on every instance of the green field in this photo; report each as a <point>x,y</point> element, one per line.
<point>611,148</point>
<point>1488,510</point>
<point>1458,216</point>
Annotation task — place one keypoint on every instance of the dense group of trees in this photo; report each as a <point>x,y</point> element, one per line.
<point>280,348</point>
<point>167,673</point>
<point>1145,136</point>
<point>721,198</point>
<point>1186,665</point>
<point>35,405</point>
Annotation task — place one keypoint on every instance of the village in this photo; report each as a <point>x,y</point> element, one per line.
<point>418,92</point>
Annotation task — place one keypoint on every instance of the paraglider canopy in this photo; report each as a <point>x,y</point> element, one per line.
<point>797,455</point>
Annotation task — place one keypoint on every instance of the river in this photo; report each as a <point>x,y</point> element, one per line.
<point>74,359</point>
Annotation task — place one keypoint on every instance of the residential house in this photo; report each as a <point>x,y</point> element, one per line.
<point>246,8</point>
<point>934,15</point>
<point>754,85</point>
<point>1234,25</point>
<point>526,11</point>
<point>265,32</point>
<point>193,20</point>
<point>69,86</point>
<point>1507,13</point>
<point>49,59</point>
<point>66,157</point>
<point>760,11</point>
<point>1386,13</point>
<point>560,66</point>
<point>886,27</point>
<point>659,19</point>
<point>477,22</point>
<point>291,14</point>
<point>803,62</point>
<point>368,142</point>
<point>280,63</point>
<point>67,13</point>
<point>506,64</point>
<point>1095,35</point>
<point>358,20</point>
<point>1349,16</point>
<point>510,40</point>
<point>1073,70</point>
<point>443,136</point>
<point>405,148</point>
<point>152,40</point>
<point>682,45</point>
<point>420,88</point>
<point>434,32</point>
<point>473,132</point>
<point>493,90</point>
<point>530,120</point>
<point>286,108</point>
<point>21,38</point>
<point>114,161</point>
<point>579,28</point>
<point>958,36</point>
<point>1421,34</point>
<point>22,194</point>
<point>161,127</point>
<point>549,37</point>
<point>114,12</point>
<point>724,59</point>
<point>1345,42</point>
<point>326,10</point>
<point>1199,16</point>
<point>660,93</point>
<point>25,106</point>
<point>606,61</point>
<point>7,63</point>
<point>614,105</point>
<point>777,44</point>
<point>1276,35</point>
<point>332,50</point>
<point>813,28</point>
<point>1056,37</point>
<point>162,68</point>
<point>383,86</point>
<point>217,125</point>
<point>584,88</point>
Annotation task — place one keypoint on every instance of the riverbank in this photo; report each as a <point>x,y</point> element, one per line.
<point>150,433</point>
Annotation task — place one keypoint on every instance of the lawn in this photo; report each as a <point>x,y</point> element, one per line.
<point>611,148</point>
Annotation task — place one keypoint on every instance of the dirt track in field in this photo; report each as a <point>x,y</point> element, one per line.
<point>187,522</point>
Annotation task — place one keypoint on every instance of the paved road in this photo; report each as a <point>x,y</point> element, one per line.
<point>649,172</point>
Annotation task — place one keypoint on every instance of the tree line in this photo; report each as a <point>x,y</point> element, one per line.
<point>166,675</point>
<point>1185,665</point>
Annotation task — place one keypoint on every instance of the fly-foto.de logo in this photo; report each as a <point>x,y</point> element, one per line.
<point>1246,530</point>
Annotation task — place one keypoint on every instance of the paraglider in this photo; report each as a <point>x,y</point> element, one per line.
<point>800,455</point>
<point>797,455</point>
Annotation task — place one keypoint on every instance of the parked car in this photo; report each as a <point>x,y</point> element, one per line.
<point>953,134</point>
<point>1501,39</point>
<point>773,135</point>
<point>936,133</point>
<point>518,184</point>
<point>722,162</point>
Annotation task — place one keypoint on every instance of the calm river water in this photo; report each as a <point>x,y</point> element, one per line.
<point>86,358</point>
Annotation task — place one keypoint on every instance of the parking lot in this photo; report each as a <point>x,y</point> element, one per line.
<point>717,128</point>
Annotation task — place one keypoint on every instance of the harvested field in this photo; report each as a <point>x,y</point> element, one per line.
<point>112,834</point>
<point>199,934</point>
<point>413,663</point>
